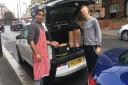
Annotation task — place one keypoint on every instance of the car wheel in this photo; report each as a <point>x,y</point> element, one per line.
<point>20,60</point>
<point>124,35</point>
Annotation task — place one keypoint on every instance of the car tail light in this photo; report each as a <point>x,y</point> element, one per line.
<point>91,80</point>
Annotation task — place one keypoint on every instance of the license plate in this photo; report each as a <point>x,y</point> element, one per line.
<point>75,62</point>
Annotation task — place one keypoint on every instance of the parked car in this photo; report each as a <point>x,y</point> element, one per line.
<point>2,27</point>
<point>123,32</point>
<point>63,62</point>
<point>112,68</point>
<point>16,26</point>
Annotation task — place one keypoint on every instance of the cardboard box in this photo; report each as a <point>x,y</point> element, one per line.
<point>74,38</point>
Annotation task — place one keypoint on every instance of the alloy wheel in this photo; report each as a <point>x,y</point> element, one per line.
<point>124,35</point>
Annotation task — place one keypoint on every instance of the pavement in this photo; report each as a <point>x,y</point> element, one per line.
<point>9,75</point>
<point>108,32</point>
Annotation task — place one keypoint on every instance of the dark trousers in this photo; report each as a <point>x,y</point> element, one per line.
<point>91,56</point>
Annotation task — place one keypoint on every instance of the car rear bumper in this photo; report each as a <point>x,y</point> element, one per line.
<point>65,70</point>
<point>83,70</point>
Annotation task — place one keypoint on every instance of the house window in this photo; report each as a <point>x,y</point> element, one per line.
<point>114,8</point>
<point>98,1</point>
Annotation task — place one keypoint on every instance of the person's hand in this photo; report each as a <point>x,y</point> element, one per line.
<point>38,57</point>
<point>55,44</point>
<point>98,50</point>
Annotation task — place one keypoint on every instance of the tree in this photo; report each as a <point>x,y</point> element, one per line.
<point>8,17</point>
<point>106,4</point>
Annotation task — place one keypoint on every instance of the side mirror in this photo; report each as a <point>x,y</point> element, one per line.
<point>19,37</point>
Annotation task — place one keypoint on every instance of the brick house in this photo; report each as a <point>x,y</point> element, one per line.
<point>109,9</point>
<point>115,8</point>
<point>97,10</point>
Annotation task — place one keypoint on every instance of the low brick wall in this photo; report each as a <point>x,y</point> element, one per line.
<point>117,24</point>
<point>105,24</point>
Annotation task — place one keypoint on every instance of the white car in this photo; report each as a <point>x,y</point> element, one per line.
<point>123,32</point>
<point>63,62</point>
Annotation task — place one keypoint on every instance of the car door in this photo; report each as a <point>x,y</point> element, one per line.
<point>24,47</point>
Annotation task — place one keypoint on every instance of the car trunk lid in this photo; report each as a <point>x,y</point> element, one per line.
<point>62,11</point>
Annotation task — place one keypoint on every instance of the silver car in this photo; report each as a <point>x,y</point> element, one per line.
<point>62,61</point>
<point>123,32</point>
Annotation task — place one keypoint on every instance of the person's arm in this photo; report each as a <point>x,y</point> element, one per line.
<point>97,33</point>
<point>48,42</point>
<point>53,43</point>
<point>98,36</point>
<point>30,39</point>
<point>33,47</point>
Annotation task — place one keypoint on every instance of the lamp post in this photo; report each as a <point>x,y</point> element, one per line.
<point>107,9</point>
<point>26,10</point>
<point>20,8</point>
<point>18,11</point>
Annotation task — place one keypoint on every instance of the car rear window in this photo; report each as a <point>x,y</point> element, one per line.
<point>62,14</point>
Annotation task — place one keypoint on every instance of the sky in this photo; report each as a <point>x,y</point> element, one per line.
<point>12,5</point>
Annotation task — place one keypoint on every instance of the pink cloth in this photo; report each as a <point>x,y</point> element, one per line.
<point>41,69</point>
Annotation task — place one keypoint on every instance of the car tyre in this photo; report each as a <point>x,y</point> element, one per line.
<point>20,60</point>
<point>124,35</point>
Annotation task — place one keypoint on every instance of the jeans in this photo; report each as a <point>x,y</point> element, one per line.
<point>91,56</point>
<point>38,82</point>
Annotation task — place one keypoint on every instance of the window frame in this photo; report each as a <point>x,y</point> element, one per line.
<point>98,1</point>
<point>114,8</point>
